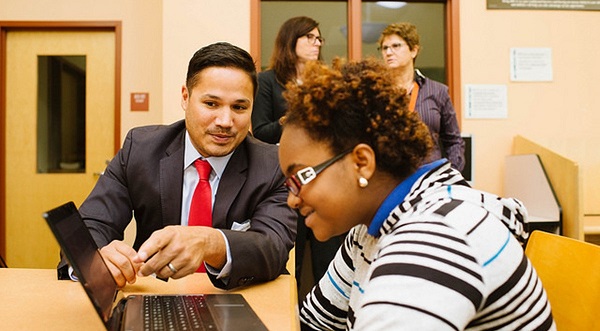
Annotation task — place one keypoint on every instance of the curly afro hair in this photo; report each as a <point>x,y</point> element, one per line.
<point>357,102</point>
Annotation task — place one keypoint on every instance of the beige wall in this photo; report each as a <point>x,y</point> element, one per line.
<point>141,46</point>
<point>160,36</point>
<point>189,25</point>
<point>561,115</point>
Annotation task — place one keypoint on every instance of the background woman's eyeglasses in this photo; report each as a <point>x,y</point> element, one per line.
<point>313,39</point>
<point>394,47</point>
<point>295,182</point>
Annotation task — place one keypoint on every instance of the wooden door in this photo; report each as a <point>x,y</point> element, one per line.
<point>29,189</point>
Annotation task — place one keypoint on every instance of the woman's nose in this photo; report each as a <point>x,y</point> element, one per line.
<point>293,201</point>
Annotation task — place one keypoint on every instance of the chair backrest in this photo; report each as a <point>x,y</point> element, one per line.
<point>570,272</point>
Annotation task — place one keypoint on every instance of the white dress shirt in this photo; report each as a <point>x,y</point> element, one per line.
<point>190,180</point>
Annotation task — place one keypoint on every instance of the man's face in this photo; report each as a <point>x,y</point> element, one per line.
<point>218,109</point>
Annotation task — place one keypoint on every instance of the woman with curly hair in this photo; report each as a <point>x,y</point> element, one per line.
<point>425,251</point>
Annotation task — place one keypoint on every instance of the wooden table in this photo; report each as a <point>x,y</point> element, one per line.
<point>33,299</point>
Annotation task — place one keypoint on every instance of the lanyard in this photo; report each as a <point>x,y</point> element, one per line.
<point>413,97</point>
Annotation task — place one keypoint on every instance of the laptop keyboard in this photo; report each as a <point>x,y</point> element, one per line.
<point>181,312</point>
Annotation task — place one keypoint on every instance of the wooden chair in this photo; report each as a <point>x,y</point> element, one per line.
<point>570,272</point>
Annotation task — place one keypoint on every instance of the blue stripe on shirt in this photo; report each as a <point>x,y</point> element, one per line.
<point>499,251</point>
<point>337,287</point>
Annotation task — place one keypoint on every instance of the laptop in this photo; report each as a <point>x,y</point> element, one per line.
<point>223,312</point>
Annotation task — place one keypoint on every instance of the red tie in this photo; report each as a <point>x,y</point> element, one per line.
<point>201,207</point>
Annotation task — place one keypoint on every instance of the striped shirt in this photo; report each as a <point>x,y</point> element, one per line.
<point>446,257</point>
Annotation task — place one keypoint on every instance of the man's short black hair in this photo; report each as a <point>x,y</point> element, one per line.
<point>221,54</point>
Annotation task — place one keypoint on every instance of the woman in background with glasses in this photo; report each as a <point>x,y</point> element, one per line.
<point>298,42</point>
<point>399,46</point>
<point>425,251</point>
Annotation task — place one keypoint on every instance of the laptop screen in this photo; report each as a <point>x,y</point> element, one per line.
<point>84,256</point>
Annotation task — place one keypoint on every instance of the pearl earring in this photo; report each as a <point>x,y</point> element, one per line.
<point>363,182</point>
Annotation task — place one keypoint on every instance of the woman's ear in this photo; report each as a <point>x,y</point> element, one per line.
<point>415,51</point>
<point>363,157</point>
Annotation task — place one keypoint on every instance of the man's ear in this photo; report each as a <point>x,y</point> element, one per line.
<point>185,97</point>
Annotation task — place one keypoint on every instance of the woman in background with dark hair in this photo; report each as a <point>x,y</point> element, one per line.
<point>298,42</point>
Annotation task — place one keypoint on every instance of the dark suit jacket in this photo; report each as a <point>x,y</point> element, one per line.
<point>145,181</point>
<point>269,106</point>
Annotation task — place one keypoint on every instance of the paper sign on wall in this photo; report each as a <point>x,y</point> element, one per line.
<point>531,64</point>
<point>485,101</point>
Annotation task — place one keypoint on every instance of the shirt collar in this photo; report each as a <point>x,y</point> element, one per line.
<point>419,77</point>
<point>398,195</point>
<point>218,163</point>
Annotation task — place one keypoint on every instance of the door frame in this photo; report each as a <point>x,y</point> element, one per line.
<point>354,15</point>
<point>8,26</point>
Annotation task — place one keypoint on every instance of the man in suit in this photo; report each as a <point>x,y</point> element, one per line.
<point>152,178</point>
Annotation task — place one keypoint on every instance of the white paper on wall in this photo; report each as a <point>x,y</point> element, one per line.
<point>485,101</point>
<point>531,64</point>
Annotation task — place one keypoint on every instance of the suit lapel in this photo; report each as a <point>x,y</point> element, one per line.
<point>233,179</point>
<point>171,181</point>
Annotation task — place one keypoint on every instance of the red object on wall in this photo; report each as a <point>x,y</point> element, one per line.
<point>140,101</point>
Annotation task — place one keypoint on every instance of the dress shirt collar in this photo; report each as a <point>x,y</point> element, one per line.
<point>218,163</point>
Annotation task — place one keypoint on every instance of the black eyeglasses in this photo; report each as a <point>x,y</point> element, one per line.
<point>394,47</point>
<point>313,38</point>
<point>295,182</point>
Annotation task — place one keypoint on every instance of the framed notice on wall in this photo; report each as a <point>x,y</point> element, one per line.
<point>544,4</point>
